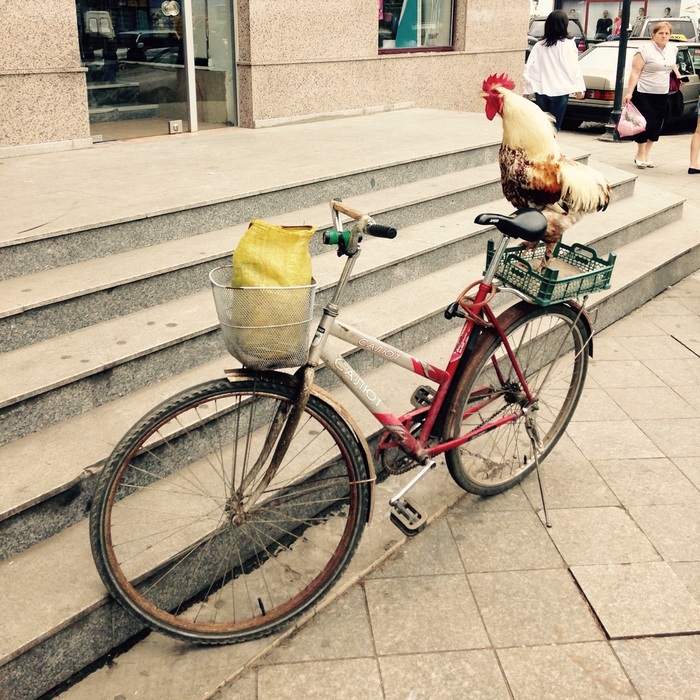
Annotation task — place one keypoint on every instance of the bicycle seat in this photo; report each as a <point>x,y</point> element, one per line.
<point>528,224</point>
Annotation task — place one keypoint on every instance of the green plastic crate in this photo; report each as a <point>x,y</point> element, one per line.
<point>573,271</point>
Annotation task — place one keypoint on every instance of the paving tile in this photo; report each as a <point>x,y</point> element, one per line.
<point>340,631</point>
<point>633,325</point>
<point>690,393</point>
<point>690,466</point>
<point>571,671</point>
<point>689,574</point>
<point>430,613</point>
<point>467,675</point>
<point>347,679</point>
<point>641,599</point>
<point>662,669</point>
<point>243,688</point>
<point>651,402</point>
<point>657,347</point>
<point>676,438</point>
<point>503,541</point>
<point>568,480</point>
<point>648,481</point>
<point>595,403</point>
<point>676,372</point>
<point>608,347</point>
<point>533,608</point>
<point>432,552</point>
<point>623,373</point>
<point>673,529</point>
<point>599,536</point>
<point>612,439</point>
<point>512,499</point>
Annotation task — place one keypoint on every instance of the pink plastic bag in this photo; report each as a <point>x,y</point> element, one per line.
<point>631,122</point>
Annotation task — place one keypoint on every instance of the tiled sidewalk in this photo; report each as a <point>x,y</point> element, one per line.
<point>488,603</point>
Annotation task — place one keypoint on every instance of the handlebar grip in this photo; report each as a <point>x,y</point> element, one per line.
<point>345,209</point>
<point>381,231</point>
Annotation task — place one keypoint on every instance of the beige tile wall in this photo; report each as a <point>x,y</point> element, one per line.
<point>43,100</point>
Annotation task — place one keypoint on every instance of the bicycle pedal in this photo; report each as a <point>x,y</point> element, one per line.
<point>423,396</point>
<point>408,516</point>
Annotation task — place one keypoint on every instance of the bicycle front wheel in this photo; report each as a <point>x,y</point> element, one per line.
<point>550,345</point>
<point>199,538</point>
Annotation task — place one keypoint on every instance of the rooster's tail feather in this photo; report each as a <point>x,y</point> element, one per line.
<point>583,188</point>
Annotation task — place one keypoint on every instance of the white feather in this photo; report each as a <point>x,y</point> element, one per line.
<point>526,126</point>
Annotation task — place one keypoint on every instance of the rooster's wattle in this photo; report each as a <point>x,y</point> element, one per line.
<point>534,173</point>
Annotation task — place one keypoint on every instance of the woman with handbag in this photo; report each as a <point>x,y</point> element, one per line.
<point>648,87</point>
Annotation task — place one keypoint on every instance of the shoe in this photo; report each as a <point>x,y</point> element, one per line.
<point>693,171</point>
<point>640,163</point>
<point>649,164</point>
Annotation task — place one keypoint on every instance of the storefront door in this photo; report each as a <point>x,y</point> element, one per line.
<point>157,66</point>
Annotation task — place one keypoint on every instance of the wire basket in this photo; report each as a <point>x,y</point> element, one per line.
<point>573,271</point>
<point>264,327</point>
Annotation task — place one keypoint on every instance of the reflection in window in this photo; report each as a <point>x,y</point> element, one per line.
<point>409,24</point>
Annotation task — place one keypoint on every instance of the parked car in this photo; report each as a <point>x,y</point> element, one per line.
<point>536,31</point>
<point>684,28</point>
<point>599,67</point>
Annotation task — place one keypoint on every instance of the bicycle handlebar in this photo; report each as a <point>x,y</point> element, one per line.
<point>364,221</point>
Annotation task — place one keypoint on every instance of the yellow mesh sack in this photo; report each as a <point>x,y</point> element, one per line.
<point>270,255</point>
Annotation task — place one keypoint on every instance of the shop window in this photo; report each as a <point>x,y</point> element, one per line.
<point>415,24</point>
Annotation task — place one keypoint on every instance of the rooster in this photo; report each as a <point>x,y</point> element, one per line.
<point>533,171</point>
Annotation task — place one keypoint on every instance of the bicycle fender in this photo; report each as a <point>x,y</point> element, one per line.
<point>243,373</point>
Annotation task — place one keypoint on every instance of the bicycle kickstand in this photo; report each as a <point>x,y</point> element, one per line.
<point>406,514</point>
<point>531,428</point>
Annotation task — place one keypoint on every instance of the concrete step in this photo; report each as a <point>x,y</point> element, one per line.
<point>56,615</point>
<point>46,304</point>
<point>52,245</point>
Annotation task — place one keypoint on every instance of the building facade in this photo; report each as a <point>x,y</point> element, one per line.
<point>74,72</point>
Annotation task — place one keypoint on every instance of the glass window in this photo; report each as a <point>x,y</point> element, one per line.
<point>412,24</point>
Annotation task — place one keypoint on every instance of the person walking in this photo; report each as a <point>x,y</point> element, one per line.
<point>552,71</point>
<point>648,87</point>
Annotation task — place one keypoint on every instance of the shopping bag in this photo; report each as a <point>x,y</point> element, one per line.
<point>631,122</point>
<point>273,325</point>
<point>270,255</point>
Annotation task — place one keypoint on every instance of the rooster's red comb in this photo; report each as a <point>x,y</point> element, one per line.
<point>497,81</point>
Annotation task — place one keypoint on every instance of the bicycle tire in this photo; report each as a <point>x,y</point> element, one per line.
<point>180,540</point>
<point>502,456</point>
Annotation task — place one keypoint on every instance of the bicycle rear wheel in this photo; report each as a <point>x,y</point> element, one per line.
<point>188,534</point>
<point>551,348</point>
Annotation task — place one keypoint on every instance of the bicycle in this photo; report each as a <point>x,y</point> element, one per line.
<point>230,509</point>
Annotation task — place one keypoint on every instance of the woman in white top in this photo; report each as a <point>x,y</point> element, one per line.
<point>552,72</point>
<point>647,88</point>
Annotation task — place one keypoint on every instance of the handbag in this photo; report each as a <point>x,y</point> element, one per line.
<point>631,122</point>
